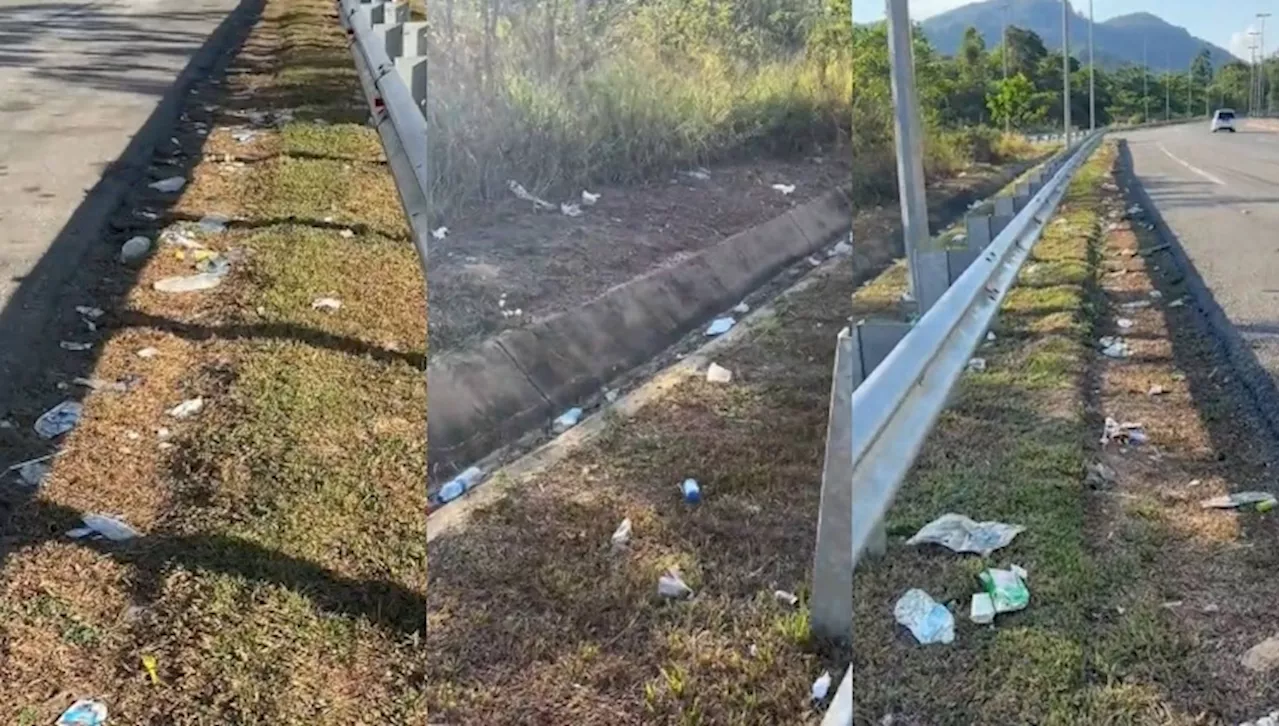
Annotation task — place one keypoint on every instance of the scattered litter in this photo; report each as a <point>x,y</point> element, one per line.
<point>327,304</point>
<point>1114,347</point>
<point>146,214</point>
<point>168,186</point>
<point>134,249</point>
<point>1263,656</point>
<point>59,419</point>
<point>1155,294</point>
<point>622,535</point>
<point>1262,500</point>
<point>522,193</point>
<point>841,248</point>
<point>1124,433</point>
<point>976,365</point>
<point>455,487</point>
<point>244,136</point>
<point>89,312</point>
<point>570,210</point>
<point>720,326</point>
<point>741,308</point>
<point>84,713</point>
<point>346,234</point>
<point>821,686</point>
<point>1178,303</point>
<point>786,597</point>
<point>611,395</point>
<point>567,420</point>
<point>98,384</point>
<point>814,261</point>
<point>187,408</point>
<point>691,491</point>
<point>718,374</point>
<point>102,525</point>
<point>1124,323</point>
<point>1135,209</point>
<point>213,223</point>
<point>982,609</point>
<point>74,345</point>
<point>1006,587</point>
<point>1135,305</point>
<point>32,473</point>
<point>928,620</point>
<point>991,337</point>
<point>440,232</point>
<point>1156,390</point>
<point>1099,475</point>
<point>147,353</point>
<point>150,665</point>
<point>958,533</point>
<point>671,586</point>
<point>786,189</point>
<point>588,198</point>
<point>192,283</point>
<point>700,174</point>
<point>178,238</point>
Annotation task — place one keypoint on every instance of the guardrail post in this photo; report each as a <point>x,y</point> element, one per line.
<point>977,235</point>
<point>831,605</point>
<point>1003,214</point>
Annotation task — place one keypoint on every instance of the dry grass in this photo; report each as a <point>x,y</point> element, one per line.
<point>280,576</point>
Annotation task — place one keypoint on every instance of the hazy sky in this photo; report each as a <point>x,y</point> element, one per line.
<point>1224,24</point>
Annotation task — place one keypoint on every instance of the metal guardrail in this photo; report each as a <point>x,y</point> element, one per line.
<point>389,53</point>
<point>898,377</point>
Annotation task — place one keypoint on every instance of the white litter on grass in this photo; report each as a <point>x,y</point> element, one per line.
<point>213,223</point>
<point>84,713</point>
<point>178,238</point>
<point>991,337</point>
<point>588,198</point>
<point>611,396</point>
<point>672,587</point>
<point>841,248</point>
<point>189,283</point>
<point>1156,390</point>
<point>326,304</point>
<point>347,234</point>
<point>1239,499</point>
<point>440,232</point>
<point>719,326</point>
<point>105,526</point>
<point>958,533</point>
<point>1114,346</point>
<point>1155,294</point>
<point>700,174</point>
<point>928,620</point>
<point>570,210</point>
<point>567,420</point>
<point>1124,323</point>
<point>1262,657</point>
<point>134,249</point>
<point>783,596</point>
<point>89,312</point>
<point>244,136</point>
<point>741,308</point>
<point>1135,305</point>
<point>32,473</point>
<point>814,261</point>
<point>1178,303</point>
<point>786,189</point>
<point>59,419</point>
<point>718,374</point>
<point>821,686</point>
<point>168,186</point>
<point>454,488</point>
<point>982,610</point>
<point>976,365</point>
<point>1125,433</point>
<point>622,535</point>
<point>522,193</point>
<point>187,408</point>
<point>147,353</point>
<point>74,345</point>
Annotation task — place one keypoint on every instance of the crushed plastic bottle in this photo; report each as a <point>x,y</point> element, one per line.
<point>458,485</point>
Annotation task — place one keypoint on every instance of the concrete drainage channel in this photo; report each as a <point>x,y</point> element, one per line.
<point>497,399</point>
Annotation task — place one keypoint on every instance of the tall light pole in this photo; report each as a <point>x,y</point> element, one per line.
<point>1066,77</point>
<point>1253,70</point>
<point>1146,99</point>
<point>1093,119</point>
<point>1167,78</point>
<point>1004,52</point>
<point>1262,50</point>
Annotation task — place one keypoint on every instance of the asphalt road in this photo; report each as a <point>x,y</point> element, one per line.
<point>1218,195</point>
<point>77,80</point>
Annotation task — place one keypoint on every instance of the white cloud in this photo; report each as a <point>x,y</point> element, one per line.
<point>1239,43</point>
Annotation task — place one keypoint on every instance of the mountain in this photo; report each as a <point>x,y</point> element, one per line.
<point>1115,42</point>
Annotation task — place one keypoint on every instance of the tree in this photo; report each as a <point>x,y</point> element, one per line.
<point>1013,100</point>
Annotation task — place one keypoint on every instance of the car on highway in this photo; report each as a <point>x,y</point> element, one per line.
<point>1223,119</point>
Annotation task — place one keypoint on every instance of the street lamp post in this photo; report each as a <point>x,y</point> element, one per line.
<point>1146,99</point>
<point>1066,78</point>
<point>1093,119</point>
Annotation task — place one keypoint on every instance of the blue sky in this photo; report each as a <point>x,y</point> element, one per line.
<point>1225,24</point>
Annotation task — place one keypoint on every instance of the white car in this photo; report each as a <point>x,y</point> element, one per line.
<point>1224,119</point>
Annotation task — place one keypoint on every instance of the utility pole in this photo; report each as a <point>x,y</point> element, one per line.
<point>1004,52</point>
<point>1262,52</point>
<point>909,142</point>
<point>1167,78</point>
<point>1253,71</point>
<point>1066,77</point>
<point>1093,118</point>
<point>1146,99</point>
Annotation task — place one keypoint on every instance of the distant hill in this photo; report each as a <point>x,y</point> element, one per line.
<point>1115,42</point>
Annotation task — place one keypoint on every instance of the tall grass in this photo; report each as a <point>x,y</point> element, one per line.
<point>636,114</point>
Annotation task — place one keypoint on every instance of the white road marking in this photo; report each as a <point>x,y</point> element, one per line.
<point>1201,172</point>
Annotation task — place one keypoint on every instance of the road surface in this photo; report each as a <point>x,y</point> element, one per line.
<point>77,81</point>
<point>1218,195</point>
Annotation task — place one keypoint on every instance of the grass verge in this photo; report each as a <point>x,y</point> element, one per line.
<point>279,576</point>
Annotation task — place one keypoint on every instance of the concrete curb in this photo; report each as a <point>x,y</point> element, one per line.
<point>485,396</point>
